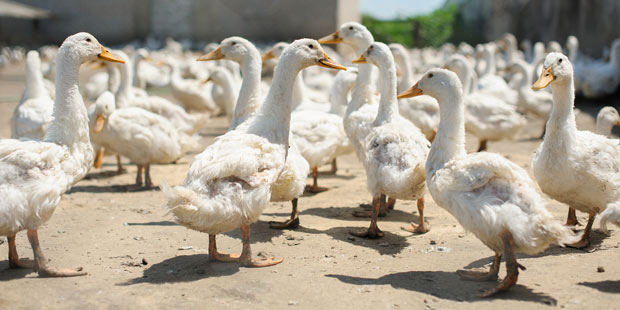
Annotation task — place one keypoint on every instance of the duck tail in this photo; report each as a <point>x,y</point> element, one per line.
<point>189,143</point>
<point>181,201</point>
<point>560,233</point>
<point>611,213</point>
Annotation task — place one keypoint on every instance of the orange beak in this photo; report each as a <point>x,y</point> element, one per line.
<point>213,55</point>
<point>329,63</point>
<point>106,56</point>
<point>411,92</point>
<point>333,38</point>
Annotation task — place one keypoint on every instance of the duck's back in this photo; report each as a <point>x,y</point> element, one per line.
<point>31,118</point>
<point>228,184</point>
<point>396,153</point>
<point>583,173</point>
<point>32,180</point>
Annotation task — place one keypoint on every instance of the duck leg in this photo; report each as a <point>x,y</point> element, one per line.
<point>246,255</point>
<point>571,219</point>
<point>369,212</point>
<point>214,255</point>
<point>483,145</point>
<point>334,167</point>
<point>119,165</point>
<point>147,176</point>
<point>40,262</point>
<point>139,175</point>
<point>475,275</point>
<point>315,185</point>
<point>292,223</point>
<point>98,159</point>
<point>421,228</point>
<point>373,232</point>
<point>512,267</point>
<point>585,238</point>
<point>391,202</point>
<point>14,261</point>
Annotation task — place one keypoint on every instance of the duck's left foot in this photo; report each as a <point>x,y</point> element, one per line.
<point>508,282</point>
<point>288,224</point>
<point>60,273</point>
<point>512,266</point>
<point>581,244</point>
<point>315,189</point>
<point>368,233</point>
<point>585,238</point>
<point>571,219</point>
<point>257,263</point>
<point>476,275</point>
<point>223,257</point>
<point>417,229</point>
<point>21,263</point>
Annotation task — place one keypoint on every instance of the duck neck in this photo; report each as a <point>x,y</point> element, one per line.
<point>489,59</point>
<point>299,91</point>
<point>124,95</point>
<point>134,68</point>
<point>35,87</point>
<point>388,105</point>
<point>272,121</point>
<point>338,98</point>
<point>114,78</point>
<point>449,142</point>
<point>363,90</point>
<point>562,118</point>
<point>407,74</point>
<point>69,126</point>
<point>525,81</point>
<point>248,101</point>
<point>572,52</point>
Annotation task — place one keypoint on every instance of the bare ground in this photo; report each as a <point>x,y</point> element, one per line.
<point>137,257</point>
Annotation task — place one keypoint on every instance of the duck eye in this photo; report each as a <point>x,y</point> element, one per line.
<point>310,46</point>
<point>234,43</point>
<point>88,40</point>
<point>430,75</point>
<point>350,27</point>
<point>560,61</point>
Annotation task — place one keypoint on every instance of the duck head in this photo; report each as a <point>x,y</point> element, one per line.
<point>434,83</point>
<point>86,48</point>
<point>275,51</point>
<point>377,54</point>
<point>556,69</point>
<point>233,48</point>
<point>352,34</point>
<point>309,53</point>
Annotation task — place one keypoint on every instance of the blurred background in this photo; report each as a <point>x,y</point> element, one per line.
<point>412,23</point>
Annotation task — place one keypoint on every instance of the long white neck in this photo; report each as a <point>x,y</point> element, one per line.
<point>525,81</point>
<point>338,97</point>
<point>299,91</point>
<point>467,77</point>
<point>69,126</point>
<point>489,59</point>
<point>363,90</point>
<point>388,105</point>
<point>228,90</point>
<point>273,119</point>
<point>114,78</point>
<point>249,98</point>
<point>124,96</point>
<point>561,123</point>
<point>573,51</point>
<point>449,142</point>
<point>407,73</point>
<point>35,87</point>
<point>136,63</point>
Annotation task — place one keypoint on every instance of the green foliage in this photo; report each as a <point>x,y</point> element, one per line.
<point>433,29</point>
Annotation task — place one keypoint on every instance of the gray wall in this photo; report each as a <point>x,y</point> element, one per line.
<point>594,22</point>
<point>118,21</point>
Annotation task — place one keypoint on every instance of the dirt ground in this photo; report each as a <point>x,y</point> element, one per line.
<point>137,257</point>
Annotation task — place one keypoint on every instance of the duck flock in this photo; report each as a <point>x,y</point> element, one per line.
<point>403,112</point>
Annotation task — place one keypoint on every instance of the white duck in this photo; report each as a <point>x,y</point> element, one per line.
<point>224,91</point>
<point>291,183</point>
<point>487,118</point>
<point>363,107</point>
<point>422,111</point>
<point>229,184</point>
<point>35,174</point>
<point>601,78</point>
<point>395,149</point>
<point>579,168</point>
<point>490,196</point>
<point>318,135</point>
<point>33,113</point>
<point>142,136</point>
<point>606,119</point>
<point>125,97</point>
<point>192,93</point>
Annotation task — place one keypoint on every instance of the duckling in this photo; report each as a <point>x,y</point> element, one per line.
<point>489,195</point>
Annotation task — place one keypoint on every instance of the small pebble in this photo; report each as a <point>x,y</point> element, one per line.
<point>433,242</point>
<point>144,262</point>
<point>600,269</point>
<point>292,303</point>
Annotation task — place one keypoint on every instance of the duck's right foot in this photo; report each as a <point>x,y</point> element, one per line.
<point>476,275</point>
<point>21,263</point>
<point>368,233</point>
<point>257,263</point>
<point>288,224</point>
<point>47,272</point>
<point>223,257</point>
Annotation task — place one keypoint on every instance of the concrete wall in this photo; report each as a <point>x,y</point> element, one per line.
<point>594,22</point>
<point>118,21</point>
